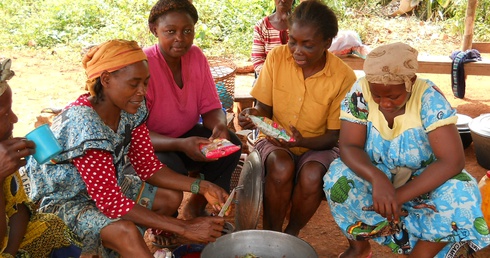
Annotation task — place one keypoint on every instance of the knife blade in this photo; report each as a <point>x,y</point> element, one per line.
<point>227,203</point>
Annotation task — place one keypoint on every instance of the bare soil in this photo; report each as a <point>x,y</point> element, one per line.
<point>52,78</point>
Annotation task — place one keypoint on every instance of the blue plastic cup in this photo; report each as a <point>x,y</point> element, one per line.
<point>47,146</point>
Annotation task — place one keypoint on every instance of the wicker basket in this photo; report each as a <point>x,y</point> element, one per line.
<point>223,71</point>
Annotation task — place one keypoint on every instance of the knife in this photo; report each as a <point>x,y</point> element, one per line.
<point>227,203</point>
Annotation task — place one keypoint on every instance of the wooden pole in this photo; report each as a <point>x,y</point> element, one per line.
<point>469,25</point>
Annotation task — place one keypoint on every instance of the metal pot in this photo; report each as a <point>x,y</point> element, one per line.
<point>262,243</point>
<point>480,132</point>
<point>464,130</point>
<point>466,138</point>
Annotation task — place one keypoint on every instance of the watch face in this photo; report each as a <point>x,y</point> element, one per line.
<point>195,187</point>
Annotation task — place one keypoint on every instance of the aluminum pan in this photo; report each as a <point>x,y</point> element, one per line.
<point>262,243</point>
<point>249,199</point>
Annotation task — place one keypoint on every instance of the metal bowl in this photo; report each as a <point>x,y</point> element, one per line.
<point>262,243</point>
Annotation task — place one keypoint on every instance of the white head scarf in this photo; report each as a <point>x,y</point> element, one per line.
<point>392,64</point>
<point>5,74</point>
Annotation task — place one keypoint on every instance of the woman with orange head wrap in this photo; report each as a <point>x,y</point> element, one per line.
<point>100,131</point>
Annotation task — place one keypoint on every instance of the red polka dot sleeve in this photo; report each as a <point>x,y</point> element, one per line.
<point>99,174</point>
<point>141,153</point>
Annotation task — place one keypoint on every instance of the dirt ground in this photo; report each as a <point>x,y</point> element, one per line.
<point>52,79</point>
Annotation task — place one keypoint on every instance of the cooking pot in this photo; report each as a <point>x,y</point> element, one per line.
<point>480,132</point>
<point>262,243</point>
<point>464,130</point>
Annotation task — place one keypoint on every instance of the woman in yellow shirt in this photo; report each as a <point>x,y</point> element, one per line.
<point>300,88</point>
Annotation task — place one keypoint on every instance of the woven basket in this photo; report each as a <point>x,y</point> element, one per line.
<point>223,71</point>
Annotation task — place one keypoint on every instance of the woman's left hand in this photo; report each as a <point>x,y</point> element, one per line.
<point>298,139</point>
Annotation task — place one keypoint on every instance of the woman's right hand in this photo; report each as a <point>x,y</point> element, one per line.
<point>204,229</point>
<point>244,121</point>
<point>384,199</point>
<point>191,146</point>
<point>12,155</point>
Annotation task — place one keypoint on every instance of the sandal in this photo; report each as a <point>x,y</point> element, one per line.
<point>163,239</point>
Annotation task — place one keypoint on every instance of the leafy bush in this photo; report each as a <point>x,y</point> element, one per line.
<point>225,27</point>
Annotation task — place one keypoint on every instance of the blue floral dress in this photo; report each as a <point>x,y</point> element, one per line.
<point>59,188</point>
<point>450,213</point>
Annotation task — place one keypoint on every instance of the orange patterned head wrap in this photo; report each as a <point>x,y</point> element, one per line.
<point>5,74</point>
<point>392,64</point>
<point>110,56</point>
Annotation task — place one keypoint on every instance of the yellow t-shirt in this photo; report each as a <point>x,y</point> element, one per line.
<point>311,105</point>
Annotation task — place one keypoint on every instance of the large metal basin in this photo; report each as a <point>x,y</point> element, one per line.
<point>262,243</point>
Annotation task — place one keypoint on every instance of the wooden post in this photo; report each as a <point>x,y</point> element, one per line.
<point>469,25</point>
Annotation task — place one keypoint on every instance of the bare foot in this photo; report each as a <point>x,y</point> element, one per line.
<point>162,239</point>
<point>196,207</point>
<point>357,249</point>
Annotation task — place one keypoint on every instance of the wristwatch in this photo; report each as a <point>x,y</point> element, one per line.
<point>195,186</point>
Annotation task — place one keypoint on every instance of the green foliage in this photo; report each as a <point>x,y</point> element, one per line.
<point>66,22</point>
<point>225,27</point>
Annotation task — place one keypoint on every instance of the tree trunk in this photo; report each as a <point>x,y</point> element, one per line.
<point>469,25</point>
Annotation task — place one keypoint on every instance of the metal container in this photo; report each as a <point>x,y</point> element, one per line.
<point>480,133</point>
<point>249,199</point>
<point>262,243</point>
<point>464,130</point>
<point>466,138</point>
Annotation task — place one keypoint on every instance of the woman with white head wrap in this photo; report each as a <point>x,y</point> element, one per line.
<point>400,179</point>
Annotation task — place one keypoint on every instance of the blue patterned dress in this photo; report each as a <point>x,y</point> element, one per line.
<point>59,188</point>
<point>450,213</point>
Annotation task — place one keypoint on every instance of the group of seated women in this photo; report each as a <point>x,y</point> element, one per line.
<point>383,149</point>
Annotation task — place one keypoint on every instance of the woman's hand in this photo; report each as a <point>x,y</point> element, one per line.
<point>244,121</point>
<point>384,198</point>
<point>191,146</point>
<point>298,139</point>
<point>220,131</point>
<point>12,155</point>
<point>215,195</point>
<point>204,229</point>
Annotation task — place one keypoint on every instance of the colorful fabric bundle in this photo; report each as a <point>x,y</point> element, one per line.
<point>458,83</point>
<point>219,148</point>
<point>271,128</point>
